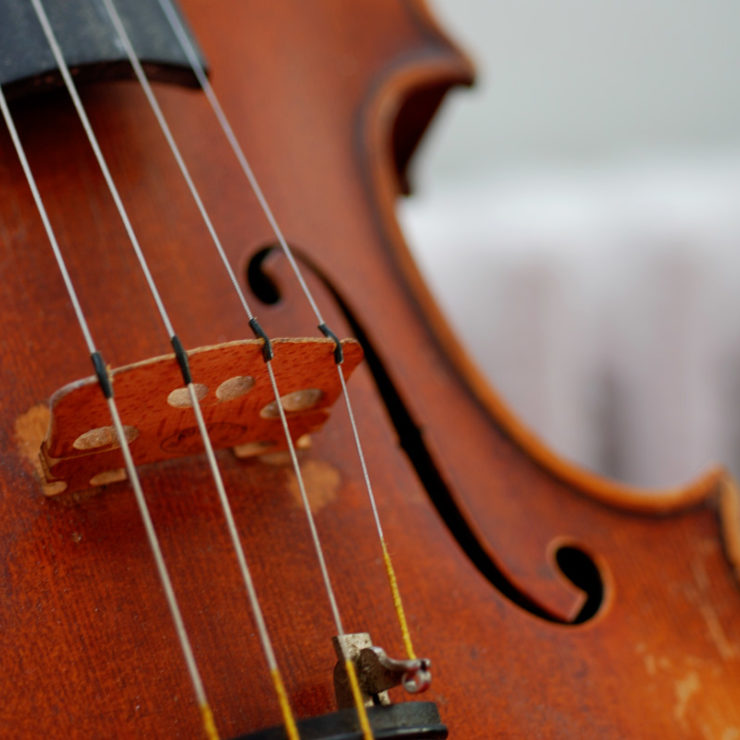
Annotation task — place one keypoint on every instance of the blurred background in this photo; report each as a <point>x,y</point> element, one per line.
<point>577,215</point>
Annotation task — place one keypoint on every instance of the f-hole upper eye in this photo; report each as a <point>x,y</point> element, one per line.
<point>259,281</point>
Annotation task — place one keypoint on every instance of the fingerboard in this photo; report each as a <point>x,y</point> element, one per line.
<point>89,44</point>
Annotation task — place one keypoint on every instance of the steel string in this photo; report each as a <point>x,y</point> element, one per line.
<point>209,726</point>
<point>182,359</point>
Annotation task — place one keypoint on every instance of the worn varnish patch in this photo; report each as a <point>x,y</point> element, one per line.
<point>322,484</point>
<point>685,689</point>
<point>30,429</point>
<point>701,597</point>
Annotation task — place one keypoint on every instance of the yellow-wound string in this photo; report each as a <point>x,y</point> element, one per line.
<point>282,695</point>
<point>209,726</point>
<point>357,696</point>
<point>199,72</point>
<point>354,684</point>
<point>397,603</point>
<point>391,573</point>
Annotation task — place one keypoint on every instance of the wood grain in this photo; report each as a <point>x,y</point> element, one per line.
<point>328,99</point>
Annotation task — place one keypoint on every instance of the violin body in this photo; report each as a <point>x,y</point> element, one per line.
<point>328,100</point>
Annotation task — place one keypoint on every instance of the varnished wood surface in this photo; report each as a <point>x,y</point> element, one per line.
<point>86,642</point>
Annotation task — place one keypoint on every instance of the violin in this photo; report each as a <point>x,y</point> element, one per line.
<point>188,526</point>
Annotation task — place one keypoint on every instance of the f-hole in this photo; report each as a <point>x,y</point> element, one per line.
<point>573,562</point>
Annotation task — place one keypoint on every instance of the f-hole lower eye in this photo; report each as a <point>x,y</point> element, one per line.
<point>579,568</point>
<point>259,281</point>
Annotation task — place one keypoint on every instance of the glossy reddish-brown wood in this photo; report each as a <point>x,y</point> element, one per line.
<point>328,98</point>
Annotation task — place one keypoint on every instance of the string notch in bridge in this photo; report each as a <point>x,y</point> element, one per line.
<point>329,334</point>
<point>101,373</point>
<point>182,359</point>
<point>259,332</point>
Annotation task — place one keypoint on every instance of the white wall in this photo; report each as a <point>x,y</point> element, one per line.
<point>587,81</point>
<point>590,187</point>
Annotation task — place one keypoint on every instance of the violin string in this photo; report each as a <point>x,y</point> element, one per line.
<point>195,63</point>
<point>182,360</point>
<point>106,386</point>
<point>164,126</point>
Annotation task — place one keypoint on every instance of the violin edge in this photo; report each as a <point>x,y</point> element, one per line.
<point>728,505</point>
